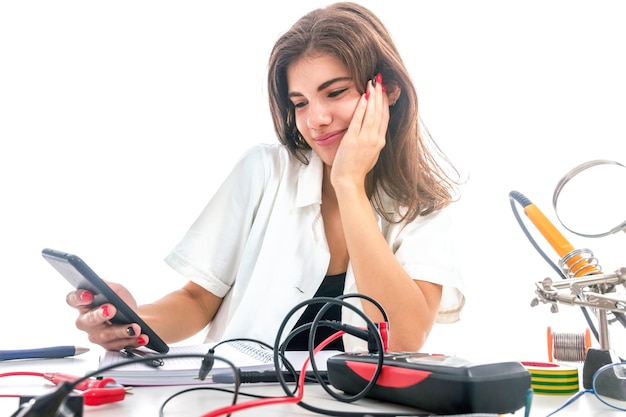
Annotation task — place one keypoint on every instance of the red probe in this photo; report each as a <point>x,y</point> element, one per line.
<point>95,391</point>
<point>99,396</point>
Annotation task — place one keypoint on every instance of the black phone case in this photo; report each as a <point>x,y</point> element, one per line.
<point>81,276</point>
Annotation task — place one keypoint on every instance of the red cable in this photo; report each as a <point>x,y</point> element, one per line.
<point>94,392</point>
<point>275,400</point>
<point>39,374</point>
<point>22,373</point>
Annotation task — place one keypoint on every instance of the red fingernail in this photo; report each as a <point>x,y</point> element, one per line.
<point>384,88</point>
<point>141,340</point>
<point>86,297</point>
<point>379,78</point>
<point>367,95</point>
<point>105,311</point>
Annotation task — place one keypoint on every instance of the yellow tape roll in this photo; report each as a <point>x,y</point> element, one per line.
<point>552,379</point>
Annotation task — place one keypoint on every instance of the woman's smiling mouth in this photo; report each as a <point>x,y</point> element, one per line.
<point>330,138</point>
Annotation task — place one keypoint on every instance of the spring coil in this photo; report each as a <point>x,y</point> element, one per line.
<point>579,262</point>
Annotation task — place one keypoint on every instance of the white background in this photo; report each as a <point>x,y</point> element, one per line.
<point>118,120</point>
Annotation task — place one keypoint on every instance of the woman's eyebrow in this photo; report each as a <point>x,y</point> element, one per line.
<point>331,82</point>
<point>323,86</point>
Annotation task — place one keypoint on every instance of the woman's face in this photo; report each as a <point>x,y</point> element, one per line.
<point>324,96</point>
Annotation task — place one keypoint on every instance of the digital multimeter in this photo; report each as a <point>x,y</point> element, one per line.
<point>434,383</point>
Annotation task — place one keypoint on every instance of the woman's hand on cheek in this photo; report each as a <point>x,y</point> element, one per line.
<point>361,145</point>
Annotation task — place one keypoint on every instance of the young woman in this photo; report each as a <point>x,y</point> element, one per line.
<point>352,200</point>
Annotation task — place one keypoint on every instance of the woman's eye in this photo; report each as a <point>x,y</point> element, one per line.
<point>337,93</point>
<point>299,105</point>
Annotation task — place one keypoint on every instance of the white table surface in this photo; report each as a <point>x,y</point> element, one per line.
<point>145,401</point>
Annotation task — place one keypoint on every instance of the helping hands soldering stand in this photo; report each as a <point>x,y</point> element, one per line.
<point>583,283</point>
<point>597,292</point>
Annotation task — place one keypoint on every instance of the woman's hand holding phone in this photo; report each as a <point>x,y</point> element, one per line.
<point>95,321</point>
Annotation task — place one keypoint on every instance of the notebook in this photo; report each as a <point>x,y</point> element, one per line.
<point>184,371</point>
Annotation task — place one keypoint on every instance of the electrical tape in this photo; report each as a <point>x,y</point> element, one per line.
<point>552,379</point>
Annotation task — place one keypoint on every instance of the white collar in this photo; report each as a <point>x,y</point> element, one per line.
<point>310,181</point>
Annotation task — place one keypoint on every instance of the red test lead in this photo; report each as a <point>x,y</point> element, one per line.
<point>99,396</point>
<point>95,391</point>
<point>57,378</point>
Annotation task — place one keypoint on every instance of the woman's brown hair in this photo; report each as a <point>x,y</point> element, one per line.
<point>408,170</point>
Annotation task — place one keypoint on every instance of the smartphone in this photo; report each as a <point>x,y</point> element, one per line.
<point>81,276</point>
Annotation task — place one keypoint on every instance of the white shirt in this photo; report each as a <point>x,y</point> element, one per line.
<point>260,244</point>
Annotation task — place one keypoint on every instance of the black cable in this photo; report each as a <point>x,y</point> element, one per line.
<point>329,301</point>
<point>317,322</point>
<point>203,388</point>
<point>244,339</point>
<point>47,405</point>
<point>304,405</point>
<point>373,330</point>
<point>336,413</point>
<point>284,361</point>
<point>280,358</point>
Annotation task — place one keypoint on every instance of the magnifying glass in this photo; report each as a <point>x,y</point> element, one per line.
<point>588,200</point>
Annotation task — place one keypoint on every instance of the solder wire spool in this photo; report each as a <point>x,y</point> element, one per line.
<point>552,378</point>
<point>568,347</point>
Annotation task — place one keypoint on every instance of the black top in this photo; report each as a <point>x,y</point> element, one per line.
<point>332,286</point>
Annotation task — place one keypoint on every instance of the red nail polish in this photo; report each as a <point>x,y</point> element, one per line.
<point>105,311</point>
<point>379,78</point>
<point>384,88</point>
<point>86,297</point>
<point>141,340</point>
<point>367,95</point>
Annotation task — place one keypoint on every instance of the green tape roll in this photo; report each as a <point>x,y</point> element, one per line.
<point>552,379</point>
